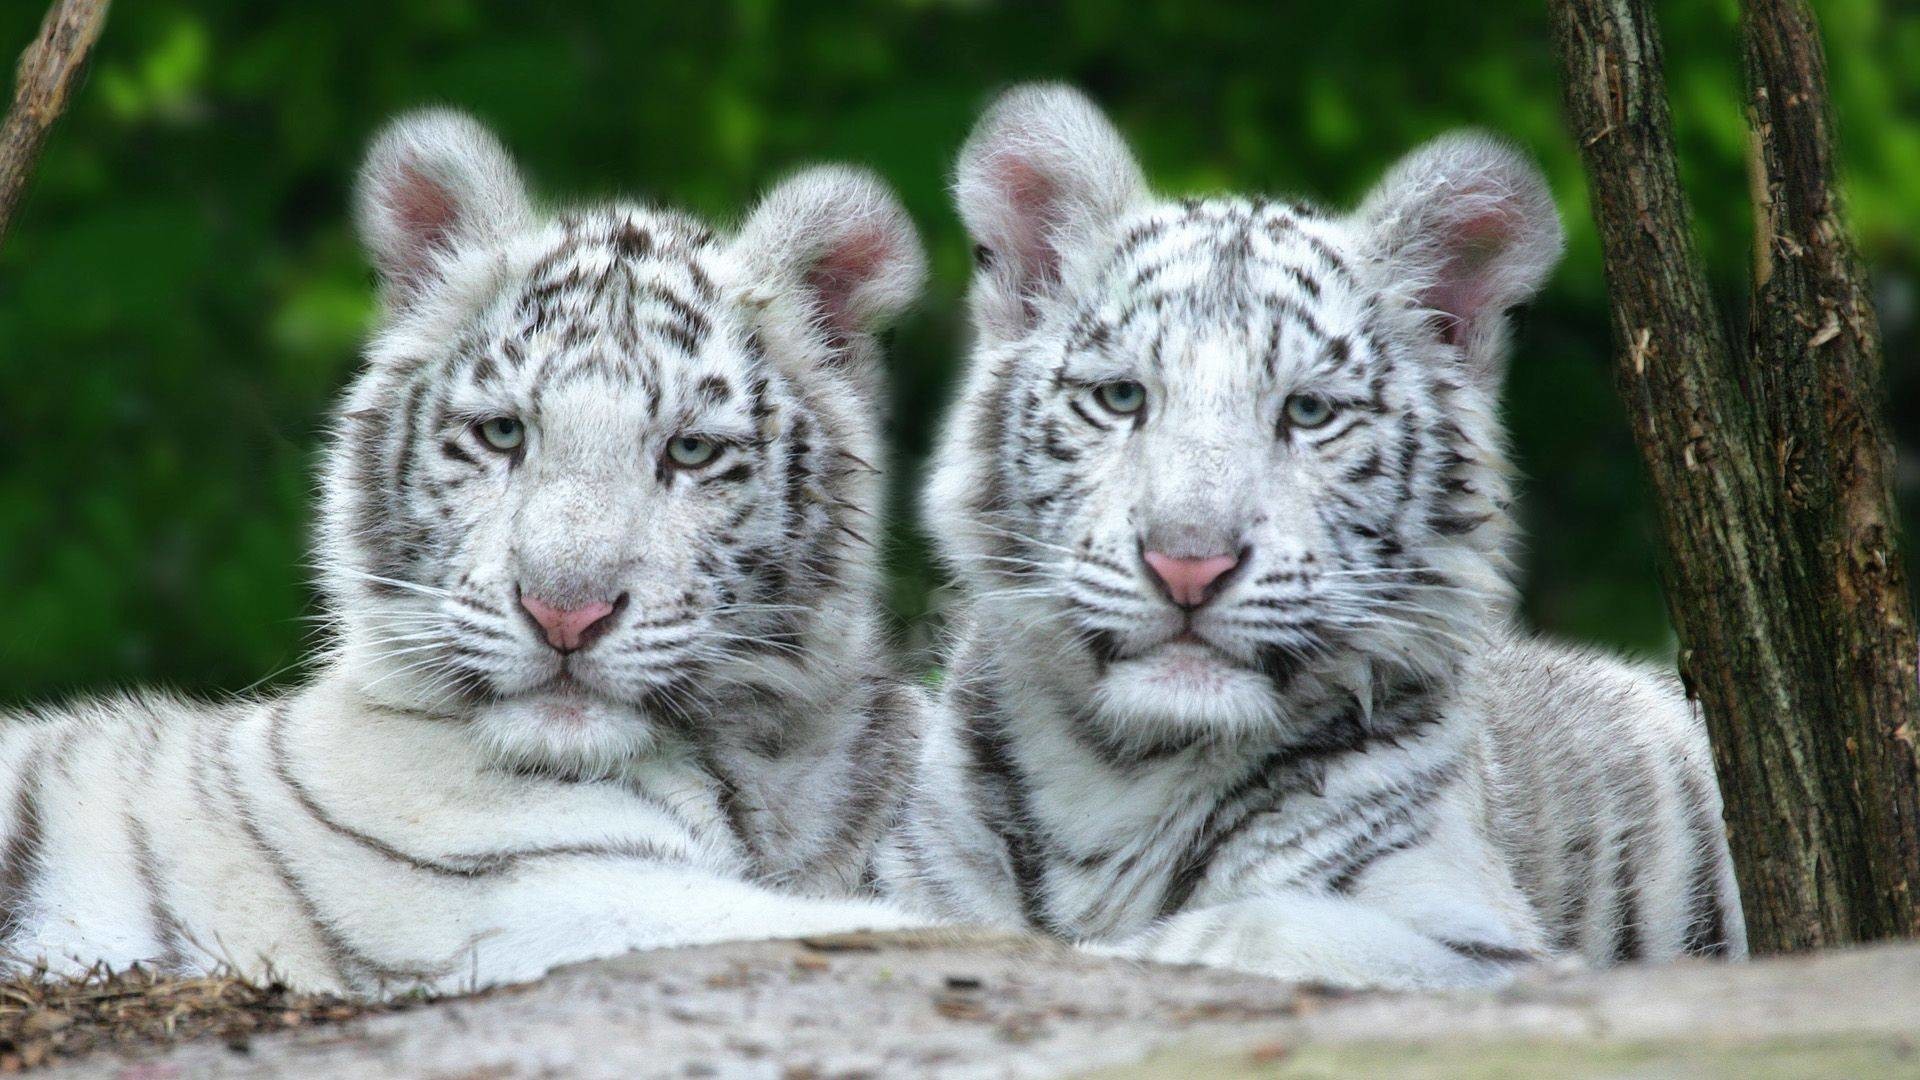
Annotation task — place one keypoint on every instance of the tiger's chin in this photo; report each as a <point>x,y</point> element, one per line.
<point>565,731</point>
<point>1188,688</point>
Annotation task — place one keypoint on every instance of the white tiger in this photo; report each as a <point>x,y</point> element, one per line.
<point>605,669</point>
<point>1227,493</point>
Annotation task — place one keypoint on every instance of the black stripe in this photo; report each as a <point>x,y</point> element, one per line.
<point>1330,258</point>
<point>201,764</point>
<point>1707,918</point>
<point>1378,812</point>
<point>1578,856</point>
<point>410,426</point>
<point>465,866</point>
<point>993,771</point>
<point>1055,449</point>
<point>1289,771</point>
<point>878,755</point>
<point>1339,873</point>
<point>632,241</point>
<point>1259,791</point>
<point>1100,588</point>
<point>453,450</point>
<point>166,922</point>
<point>1128,754</point>
<point>1369,468</point>
<point>736,810</point>
<point>923,874</point>
<point>1137,237</point>
<point>20,863</point>
<point>1074,404</point>
<point>702,282</point>
<point>1626,903</point>
<point>1419,788</point>
<point>1298,316</point>
<point>1487,952</point>
<point>1321,443</point>
<point>681,336</point>
<point>346,960</point>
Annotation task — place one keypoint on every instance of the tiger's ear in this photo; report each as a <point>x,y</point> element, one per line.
<point>434,182</point>
<point>831,253</point>
<point>1043,172</point>
<point>1468,224</point>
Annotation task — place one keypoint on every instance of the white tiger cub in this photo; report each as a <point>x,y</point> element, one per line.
<point>1228,493</point>
<point>606,663</point>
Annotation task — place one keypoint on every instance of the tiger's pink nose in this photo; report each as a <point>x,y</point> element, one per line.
<point>569,629</point>
<point>1189,582</point>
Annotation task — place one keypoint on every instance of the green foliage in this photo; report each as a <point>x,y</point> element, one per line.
<point>182,296</point>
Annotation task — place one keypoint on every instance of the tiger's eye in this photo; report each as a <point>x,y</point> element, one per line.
<point>1122,397</point>
<point>1308,411</point>
<point>503,433</point>
<point>691,451</point>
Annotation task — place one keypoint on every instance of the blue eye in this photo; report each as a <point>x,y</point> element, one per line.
<point>1123,397</point>
<point>692,451</point>
<point>503,433</point>
<point>1308,411</point>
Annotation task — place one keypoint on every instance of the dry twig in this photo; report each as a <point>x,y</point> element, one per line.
<point>50,69</point>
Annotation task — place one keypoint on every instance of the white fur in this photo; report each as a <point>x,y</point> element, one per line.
<point>451,803</point>
<point>1345,766</point>
<point>240,876</point>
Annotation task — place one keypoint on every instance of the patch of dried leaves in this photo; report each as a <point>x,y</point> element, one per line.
<point>44,1019</point>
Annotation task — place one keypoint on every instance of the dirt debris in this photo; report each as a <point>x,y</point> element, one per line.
<point>44,1019</point>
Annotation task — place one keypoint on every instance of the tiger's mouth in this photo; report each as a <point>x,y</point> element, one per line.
<point>1190,660</point>
<point>1185,681</point>
<point>566,686</point>
<point>1198,669</point>
<point>1185,659</point>
<point>563,681</point>
<point>563,700</point>
<point>1187,646</point>
<point>563,730</point>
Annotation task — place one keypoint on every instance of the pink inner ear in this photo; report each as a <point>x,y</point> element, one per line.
<point>1032,200</point>
<point>424,212</point>
<point>1466,278</point>
<point>833,280</point>
<point>1457,304</point>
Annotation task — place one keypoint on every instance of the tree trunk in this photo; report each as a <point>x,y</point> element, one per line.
<point>1773,469</point>
<point>49,70</point>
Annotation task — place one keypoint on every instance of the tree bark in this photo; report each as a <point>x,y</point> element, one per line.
<point>1773,469</point>
<point>49,70</point>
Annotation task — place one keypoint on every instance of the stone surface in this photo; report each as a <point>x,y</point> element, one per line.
<point>965,1005</point>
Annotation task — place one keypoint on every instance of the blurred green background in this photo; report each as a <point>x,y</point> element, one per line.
<point>182,298</point>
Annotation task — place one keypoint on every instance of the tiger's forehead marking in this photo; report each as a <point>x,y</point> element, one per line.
<point>1271,283</point>
<point>628,297</point>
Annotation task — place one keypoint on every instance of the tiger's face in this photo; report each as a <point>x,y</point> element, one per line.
<point>1219,457</point>
<point>602,465</point>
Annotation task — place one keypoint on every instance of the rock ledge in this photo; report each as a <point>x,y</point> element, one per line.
<point>964,1005</point>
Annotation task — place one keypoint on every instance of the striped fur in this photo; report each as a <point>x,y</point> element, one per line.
<point>451,802</point>
<point>1345,766</point>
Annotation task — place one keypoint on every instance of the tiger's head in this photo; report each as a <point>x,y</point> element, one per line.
<point>1217,456</point>
<point>604,463</point>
